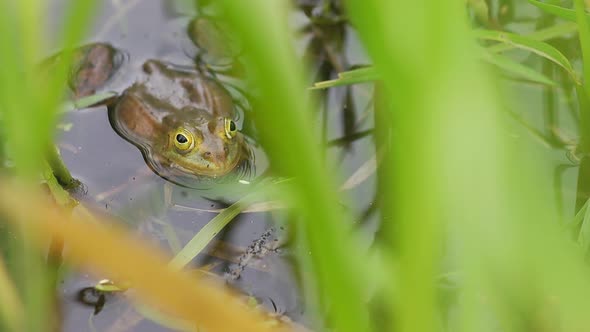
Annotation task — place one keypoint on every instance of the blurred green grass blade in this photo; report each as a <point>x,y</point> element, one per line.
<point>21,40</point>
<point>25,94</point>
<point>551,32</point>
<point>584,33</point>
<point>337,82</point>
<point>27,117</point>
<point>16,106</point>
<point>481,10</point>
<point>579,218</point>
<point>209,231</point>
<point>534,132</point>
<point>369,74</point>
<point>537,47</point>
<point>87,101</point>
<point>584,235</point>
<point>365,72</point>
<point>76,23</point>
<point>59,194</point>
<point>517,69</point>
<point>583,92</point>
<point>355,76</point>
<point>11,308</point>
<point>565,13</point>
<point>282,111</point>
<point>409,42</point>
<point>490,189</point>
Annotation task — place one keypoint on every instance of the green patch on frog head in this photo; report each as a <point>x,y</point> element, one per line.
<point>211,147</point>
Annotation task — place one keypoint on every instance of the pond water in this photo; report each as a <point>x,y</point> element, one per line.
<point>119,183</point>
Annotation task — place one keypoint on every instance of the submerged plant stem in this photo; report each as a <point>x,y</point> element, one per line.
<point>60,171</point>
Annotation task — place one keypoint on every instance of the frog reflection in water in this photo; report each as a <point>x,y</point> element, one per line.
<point>183,122</point>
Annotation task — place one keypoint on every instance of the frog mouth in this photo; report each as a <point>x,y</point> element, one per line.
<point>207,168</point>
<point>179,175</point>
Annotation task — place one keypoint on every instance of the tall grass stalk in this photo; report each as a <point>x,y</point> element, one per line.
<point>457,172</point>
<point>583,92</point>
<point>28,104</point>
<point>283,118</point>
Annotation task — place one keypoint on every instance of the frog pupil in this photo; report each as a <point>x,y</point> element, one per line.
<point>232,126</point>
<point>180,138</point>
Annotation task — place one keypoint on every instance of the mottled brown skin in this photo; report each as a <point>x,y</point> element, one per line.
<point>94,64</point>
<point>150,114</point>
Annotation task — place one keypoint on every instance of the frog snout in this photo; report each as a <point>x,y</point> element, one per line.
<point>216,158</point>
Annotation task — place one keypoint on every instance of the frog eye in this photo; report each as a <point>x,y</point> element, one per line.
<point>183,140</point>
<point>230,128</point>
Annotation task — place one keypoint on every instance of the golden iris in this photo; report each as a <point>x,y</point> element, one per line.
<point>230,128</point>
<point>184,140</point>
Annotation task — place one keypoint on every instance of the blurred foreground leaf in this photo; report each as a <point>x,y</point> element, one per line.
<point>111,251</point>
<point>11,308</point>
<point>467,195</point>
<point>28,105</point>
<point>333,252</point>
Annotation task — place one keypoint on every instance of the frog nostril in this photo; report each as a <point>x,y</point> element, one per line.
<point>207,154</point>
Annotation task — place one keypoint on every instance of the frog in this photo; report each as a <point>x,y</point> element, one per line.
<point>182,120</point>
<point>184,124</point>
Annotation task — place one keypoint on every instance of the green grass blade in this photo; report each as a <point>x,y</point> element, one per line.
<point>584,32</point>
<point>12,312</point>
<point>339,82</point>
<point>28,103</point>
<point>537,47</point>
<point>481,10</point>
<point>87,101</point>
<point>370,74</point>
<point>209,231</point>
<point>551,32</point>
<point>365,72</point>
<point>77,16</point>
<point>277,73</point>
<point>517,69</point>
<point>16,107</point>
<point>584,235</point>
<point>491,190</point>
<point>409,43</point>
<point>361,75</point>
<point>565,13</point>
